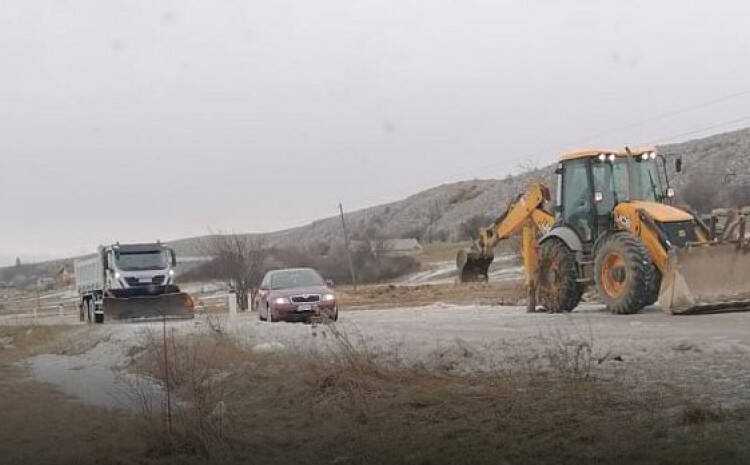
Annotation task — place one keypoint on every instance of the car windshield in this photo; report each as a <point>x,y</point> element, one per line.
<point>290,279</point>
<point>140,261</point>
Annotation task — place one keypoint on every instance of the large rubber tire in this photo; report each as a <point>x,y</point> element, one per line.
<point>558,290</point>
<point>654,286</point>
<point>623,273</point>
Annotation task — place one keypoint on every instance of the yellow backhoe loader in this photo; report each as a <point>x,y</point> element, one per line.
<point>613,226</point>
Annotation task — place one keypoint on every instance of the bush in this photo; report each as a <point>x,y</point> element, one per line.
<point>334,265</point>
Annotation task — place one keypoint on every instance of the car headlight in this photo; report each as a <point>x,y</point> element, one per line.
<point>328,297</point>
<point>281,301</point>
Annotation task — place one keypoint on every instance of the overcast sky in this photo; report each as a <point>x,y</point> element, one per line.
<point>137,120</point>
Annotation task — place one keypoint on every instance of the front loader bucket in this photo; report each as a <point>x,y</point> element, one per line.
<point>707,278</point>
<point>473,266</point>
<point>149,307</point>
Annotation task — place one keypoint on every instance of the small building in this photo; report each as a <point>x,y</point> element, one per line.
<point>64,277</point>
<point>45,283</point>
<point>397,247</point>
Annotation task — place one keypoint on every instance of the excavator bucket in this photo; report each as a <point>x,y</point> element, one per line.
<point>473,266</point>
<point>707,278</point>
<point>149,307</point>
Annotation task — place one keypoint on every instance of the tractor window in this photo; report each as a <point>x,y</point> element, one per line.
<point>611,180</point>
<point>646,182</point>
<point>577,198</point>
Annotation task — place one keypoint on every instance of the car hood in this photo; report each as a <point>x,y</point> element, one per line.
<point>300,291</point>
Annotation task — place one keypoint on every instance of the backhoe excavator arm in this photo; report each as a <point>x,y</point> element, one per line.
<point>525,214</point>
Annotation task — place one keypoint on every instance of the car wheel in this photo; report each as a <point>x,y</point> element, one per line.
<point>269,315</point>
<point>335,315</point>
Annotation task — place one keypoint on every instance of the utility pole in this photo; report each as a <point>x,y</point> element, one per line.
<point>348,250</point>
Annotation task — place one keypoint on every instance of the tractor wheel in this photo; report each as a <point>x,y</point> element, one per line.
<point>624,274</point>
<point>557,288</point>
<point>654,286</point>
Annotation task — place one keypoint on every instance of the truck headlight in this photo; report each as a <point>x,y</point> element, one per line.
<point>171,272</point>
<point>328,297</point>
<point>118,276</point>
<point>281,301</point>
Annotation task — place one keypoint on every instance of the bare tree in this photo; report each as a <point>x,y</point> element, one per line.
<point>239,259</point>
<point>434,213</point>
<point>700,193</point>
<point>471,227</point>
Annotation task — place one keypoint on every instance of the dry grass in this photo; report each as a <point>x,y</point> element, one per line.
<point>348,407</point>
<point>354,405</point>
<point>23,341</point>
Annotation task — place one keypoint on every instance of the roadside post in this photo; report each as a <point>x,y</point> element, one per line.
<point>232,303</point>
<point>347,246</point>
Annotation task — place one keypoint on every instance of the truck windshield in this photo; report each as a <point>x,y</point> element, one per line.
<point>141,261</point>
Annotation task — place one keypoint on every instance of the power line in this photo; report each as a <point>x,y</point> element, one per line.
<point>657,117</point>
<point>669,114</point>
<point>516,161</point>
<point>703,129</point>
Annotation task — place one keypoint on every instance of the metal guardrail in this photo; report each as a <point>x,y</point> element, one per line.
<point>28,310</point>
<point>16,306</point>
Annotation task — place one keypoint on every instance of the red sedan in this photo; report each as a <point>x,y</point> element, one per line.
<point>298,294</point>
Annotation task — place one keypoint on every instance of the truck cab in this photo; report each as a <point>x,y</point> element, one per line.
<point>130,282</point>
<point>138,269</point>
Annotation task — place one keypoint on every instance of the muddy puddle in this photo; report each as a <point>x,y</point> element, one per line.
<point>95,381</point>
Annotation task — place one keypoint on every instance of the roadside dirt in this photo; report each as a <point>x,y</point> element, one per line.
<point>427,384</point>
<point>707,355</point>
<point>399,295</point>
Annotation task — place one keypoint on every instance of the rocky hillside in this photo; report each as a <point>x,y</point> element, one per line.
<point>440,213</point>
<point>444,212</point>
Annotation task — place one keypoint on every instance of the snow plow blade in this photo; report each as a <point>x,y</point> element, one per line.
<point>707,278</point>
<point>473,266</point>
<point>177,305</point>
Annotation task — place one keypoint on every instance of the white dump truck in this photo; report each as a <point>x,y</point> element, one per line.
<point>130,282</point>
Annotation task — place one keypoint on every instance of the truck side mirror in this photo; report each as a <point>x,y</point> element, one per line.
<point>678,165</point>
<point>330,283</point>
<point>105,262</point>
<point>174,257</point>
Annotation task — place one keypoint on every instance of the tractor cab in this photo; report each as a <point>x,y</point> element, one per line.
<point>592,182</point>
